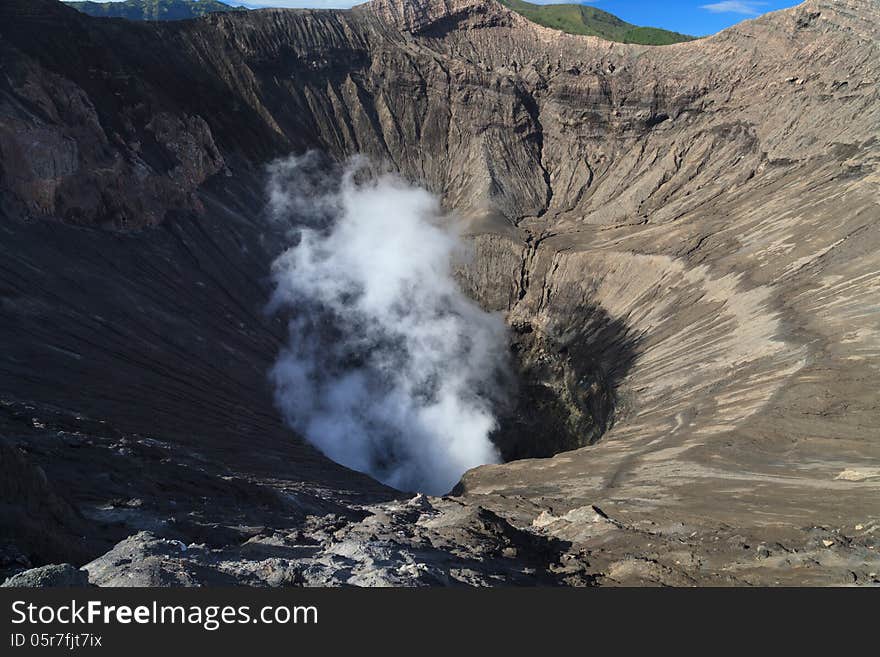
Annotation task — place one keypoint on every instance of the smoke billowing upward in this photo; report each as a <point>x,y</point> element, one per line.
<point>390,369</point>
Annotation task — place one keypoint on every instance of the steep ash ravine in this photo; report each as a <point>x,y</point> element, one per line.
<point>683,240</point>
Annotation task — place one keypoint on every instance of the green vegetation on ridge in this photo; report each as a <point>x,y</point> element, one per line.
<point>581,19</point>
<point>571,18</point>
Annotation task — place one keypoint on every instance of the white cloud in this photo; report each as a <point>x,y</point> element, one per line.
<point>389,368</point>
<point>745,7</point>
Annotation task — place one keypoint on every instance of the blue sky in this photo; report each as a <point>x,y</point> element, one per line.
<point>697,17</point>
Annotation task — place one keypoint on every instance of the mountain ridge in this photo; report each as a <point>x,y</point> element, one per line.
<point>591,21</point>
<point>573,19</point>
<point>153,10</point>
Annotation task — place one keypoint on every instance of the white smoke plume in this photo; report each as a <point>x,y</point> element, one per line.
<point>390,369</point>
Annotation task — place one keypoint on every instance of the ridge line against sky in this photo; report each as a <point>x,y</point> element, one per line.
<point>695,17</point>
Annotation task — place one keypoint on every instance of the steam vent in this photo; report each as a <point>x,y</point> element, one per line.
<point>666,323</point>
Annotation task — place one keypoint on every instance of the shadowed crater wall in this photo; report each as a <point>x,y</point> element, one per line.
<point>567,379</point>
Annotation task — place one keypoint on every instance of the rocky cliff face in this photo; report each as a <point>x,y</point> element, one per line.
<point>525,112</point>
<point>683,240</point>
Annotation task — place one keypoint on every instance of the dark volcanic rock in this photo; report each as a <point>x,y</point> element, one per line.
<point>413,543</point>
<point>144,560</point>
<point>36,523</point>
<point>57,576</point>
